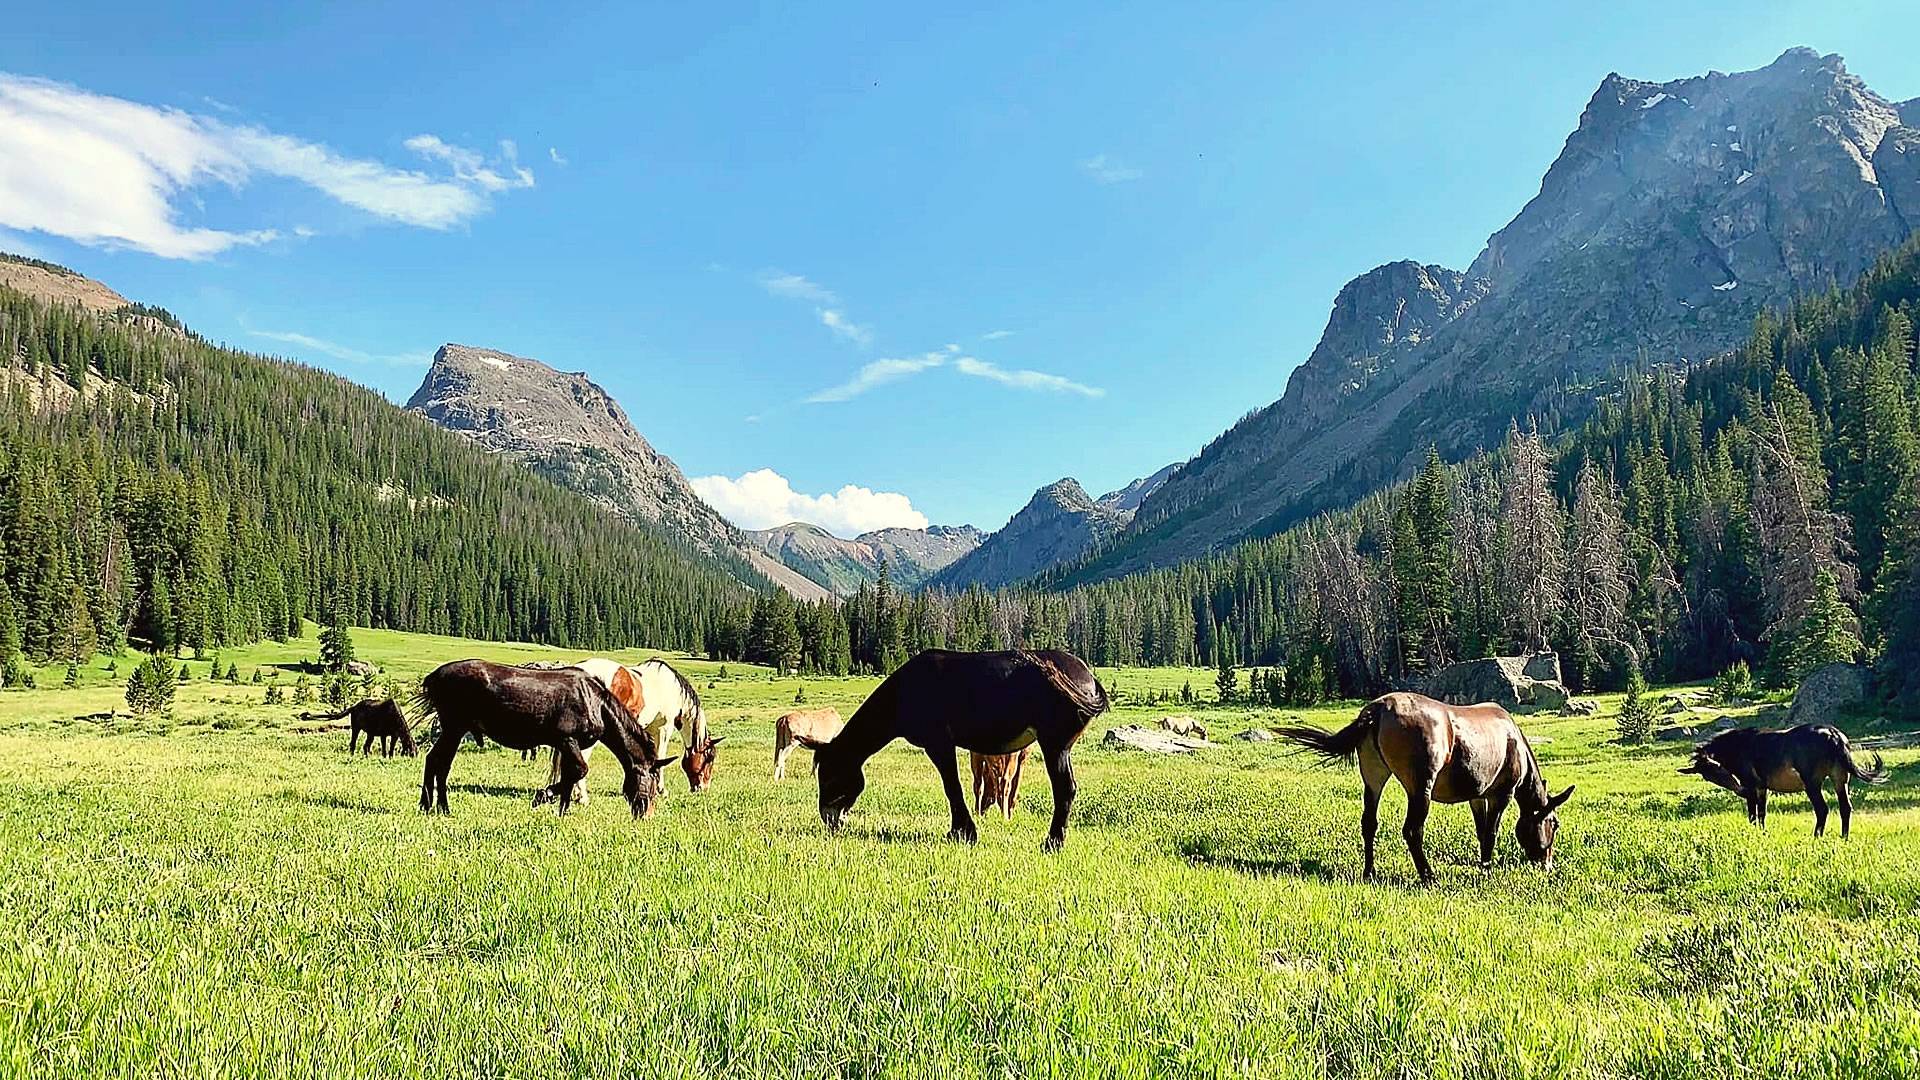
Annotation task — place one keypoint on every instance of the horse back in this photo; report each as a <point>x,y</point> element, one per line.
<point>1465,751</point>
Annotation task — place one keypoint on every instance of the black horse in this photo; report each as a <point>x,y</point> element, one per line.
<point>519,708</point>
<point>988,702</point>
<point>1750,763</point>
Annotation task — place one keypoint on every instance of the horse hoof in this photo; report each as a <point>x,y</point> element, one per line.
<point>1052,844</point>
<point>964,836</point>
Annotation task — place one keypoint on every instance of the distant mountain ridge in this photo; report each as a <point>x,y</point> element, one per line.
<point>911,556</point>
<point>563,426</point>
<point>1060,524</point>
<point>1675,212</point>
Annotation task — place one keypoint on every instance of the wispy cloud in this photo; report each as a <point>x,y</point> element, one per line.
<point>1109,170</point>
<point>878,373</point>
<point>996,335</point>
<point>796,287</point>
<point>832,319</point>
<point>763,499</point>
<point>114,173</point>
<point>553,152</point>
<point>1024,379</point>
<point>342,352</point>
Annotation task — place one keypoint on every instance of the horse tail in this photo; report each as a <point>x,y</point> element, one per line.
<point>1875,771</point>
<point>1089,700</point>
<point>1334,746</point>
<point>419,709</point>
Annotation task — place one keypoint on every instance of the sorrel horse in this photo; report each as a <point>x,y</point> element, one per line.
<point>989,702</point>
<point>568,710</point>
<point>996,781</point>
<point>661,700</point>
<point>1750,763</point>
<point>1448,754</point>
<point>818,725</point>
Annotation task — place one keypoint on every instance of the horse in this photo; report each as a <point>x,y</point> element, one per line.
<point>1448,754</point>
<point>996,781</point>
<point>661,700</point>
<point>1751,762</point>
<point>374,717</point>
<point>820,725</point>
<point>989,702</point>
<point>567,710</point>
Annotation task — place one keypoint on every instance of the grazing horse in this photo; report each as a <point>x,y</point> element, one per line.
<point>1448,754</point>
<point>989,702</point>
<point>819,725</point>
<point>375,718</point>
<point>1750,763</point>
<point>662,701</point>
<point>996,781</point>
<point>568,710</point>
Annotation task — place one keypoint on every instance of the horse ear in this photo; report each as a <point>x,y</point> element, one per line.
<point>1554,803</point>
<point>1693,768</point>
<point>663,762</point>
<point>716,741</point>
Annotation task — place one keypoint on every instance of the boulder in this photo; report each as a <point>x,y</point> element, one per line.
<point>1184,725</point>
<point>1828,692</point>
<point>360,669</point>
<point>1515,683</point>
<point>1258,734</point>
<point>1152,740</point>
<point>1580,707</point>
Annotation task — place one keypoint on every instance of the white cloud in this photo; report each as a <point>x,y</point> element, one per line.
<point>342,352</point>
<point>878,373</point>
<point>1107,170</point>
<point>1024,379</point>
<point>763,499</point>
<point>113,173</point>
<point>554,153</point>
<point>843,327</point>
<point>796,287</point>
<point>996,335</point>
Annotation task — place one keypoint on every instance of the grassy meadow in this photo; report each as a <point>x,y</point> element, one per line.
<point>224,892</point>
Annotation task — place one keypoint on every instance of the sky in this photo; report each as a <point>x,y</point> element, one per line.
<point>860,264</point>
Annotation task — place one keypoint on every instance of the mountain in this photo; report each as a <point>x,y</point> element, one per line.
<point>1674,214</point>
<point>569,430</point>
<point>910,555</point>
<point>167,490</point>
<point>1129,498</point>
<point>1059,524</point>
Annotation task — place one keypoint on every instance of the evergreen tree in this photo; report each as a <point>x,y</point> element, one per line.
<point>336,643</point>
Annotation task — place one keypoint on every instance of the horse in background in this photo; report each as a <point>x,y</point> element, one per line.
<point>996,781</point>
<point>817,725</point>
<point>661,700</point>
<point>1447,754</point>
<point>989,702</point>
<point>1751,762</point>
<point>379,718</point>
<point>568,710</point>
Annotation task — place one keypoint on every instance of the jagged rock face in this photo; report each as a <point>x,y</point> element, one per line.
<point>565,427</point>
<point>842,566</point>
<point>1128,499</point>
<point>1060,524</point>
<point>1674,214</point>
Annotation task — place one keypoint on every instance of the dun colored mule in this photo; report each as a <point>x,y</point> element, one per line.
<point>1448,754</point>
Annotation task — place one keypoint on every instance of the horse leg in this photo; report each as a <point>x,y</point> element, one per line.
<point>1059,762</point>
<point>353,741</point>
<point>1846,803</point>
<point>573,770</point>
<point>946,759</point>
<point>547,794</point>
<point>1013,785</point>
<point>433,779</point>
<point>1760,798</point>
<point>1415,830</point>
<point>1483,829</point>
<point>1819,800</point>
<point>1373,779</point>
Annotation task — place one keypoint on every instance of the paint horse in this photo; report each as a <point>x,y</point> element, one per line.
<point>1447,754</point>
<point>665,703</point>
<point>568,710</point>
<point>988,702</point>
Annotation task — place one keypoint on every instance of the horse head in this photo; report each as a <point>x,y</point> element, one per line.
<point>1537,828</point>
<point>698,762</point>
<point>841,778</point>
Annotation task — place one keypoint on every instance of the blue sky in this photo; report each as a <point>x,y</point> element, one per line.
<point>1059,239</point>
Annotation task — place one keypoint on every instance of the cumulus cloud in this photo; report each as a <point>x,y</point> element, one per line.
<point>1108,170</point>
<point>1024,379</point>
<point>342,352</point>
<point>878,373</point>
<point>113,173</point>
<point>763,499</point>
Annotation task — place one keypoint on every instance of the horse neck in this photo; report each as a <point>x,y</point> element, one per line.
<point>872,726</point>
<point>1531,791</point>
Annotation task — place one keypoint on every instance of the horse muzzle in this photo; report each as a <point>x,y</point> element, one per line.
<point>833,819</point>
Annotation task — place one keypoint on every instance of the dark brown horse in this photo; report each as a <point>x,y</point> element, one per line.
<point>520,708</point>
<point>1750,763</point>
<point>1448,754</point>
<point>375,718</point>
<point>989,702</point>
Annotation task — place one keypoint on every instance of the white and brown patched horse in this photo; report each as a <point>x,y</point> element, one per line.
<point>663,702</point>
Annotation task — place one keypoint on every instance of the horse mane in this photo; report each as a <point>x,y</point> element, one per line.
<point>1089,704</point>
<point>1730,739</point>
<point>686,688</point>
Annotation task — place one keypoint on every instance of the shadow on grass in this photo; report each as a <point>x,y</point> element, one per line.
<point>500,791</point>
<point>334,802</point>
<point>1209,851</point>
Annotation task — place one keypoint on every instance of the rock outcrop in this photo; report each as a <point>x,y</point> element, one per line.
<point>1515,683</point>
<point>1151,740</point>
<point>1829,692</point>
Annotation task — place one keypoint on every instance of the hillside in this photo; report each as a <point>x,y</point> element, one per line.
<point>159,487</point>
<point>910,556</point>
<point>563,426</point>
<point>1674,214</point>
<point>1059,524</point>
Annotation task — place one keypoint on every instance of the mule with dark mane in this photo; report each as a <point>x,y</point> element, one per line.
<point>987,702</point>
<point>379,718</point>
<point>1448,754</point>
<point>1750,763</point>
<point>568,710</point>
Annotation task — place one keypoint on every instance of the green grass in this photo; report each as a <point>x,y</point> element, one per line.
<point>222,894</point>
